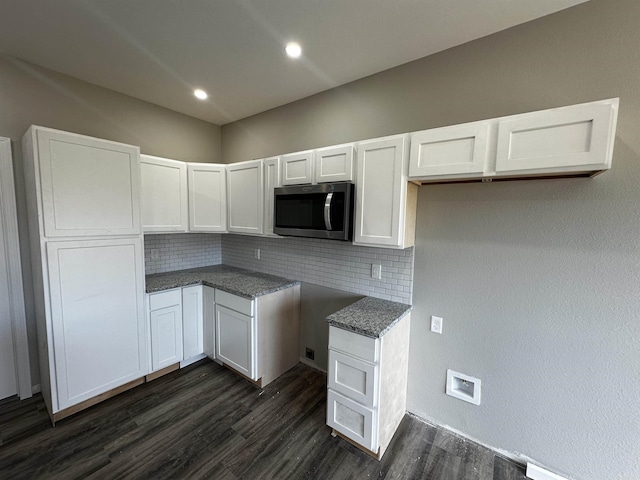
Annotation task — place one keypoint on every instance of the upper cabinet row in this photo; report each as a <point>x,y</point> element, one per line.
<point>576,141</point>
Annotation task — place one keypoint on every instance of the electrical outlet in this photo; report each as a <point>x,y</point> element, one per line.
<point>436,324</point>
<point>376,271</point>
<point>256,253</point>
<point>309,353</point>
<point>155,254</point>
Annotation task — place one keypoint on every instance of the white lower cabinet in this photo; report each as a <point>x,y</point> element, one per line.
<point>97,338</point>
<point>209,321</point>
<point>367,385</point>
<point>258,338</point>
<point>192,321</point>
<point>165,325</point>
<point>236,341</point>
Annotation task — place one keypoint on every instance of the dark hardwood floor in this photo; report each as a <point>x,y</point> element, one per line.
<point>206,422</point>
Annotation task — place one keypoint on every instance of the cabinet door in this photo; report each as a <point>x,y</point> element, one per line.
<point>450,151</point>
<point>166,337</point>
<point>381,192</point>
<point>334,164</point>
<point>97,316</point>
<point>207,197</point>
<point>209,312</point>
<point>90,187</point>
<point>164,194</point>
<point>271,181</point>
<point>354,378</point>
<point>236,341</point>
<point>297,168</point>
<point>566,139</point>
<point>245,194</point>
<point>353,420</point>
<point>192,321</point>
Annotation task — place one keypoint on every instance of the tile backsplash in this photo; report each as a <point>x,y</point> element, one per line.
<point>329,263</point>
<point>177,251</point>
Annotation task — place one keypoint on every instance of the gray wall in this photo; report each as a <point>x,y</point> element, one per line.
<point>538,281</point>
<point>33,95</point>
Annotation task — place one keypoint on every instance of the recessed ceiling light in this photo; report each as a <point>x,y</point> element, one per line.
<point>201,94</point>
<point>293,49</point>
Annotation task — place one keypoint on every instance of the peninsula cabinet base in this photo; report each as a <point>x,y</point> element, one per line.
<point>56,417</point>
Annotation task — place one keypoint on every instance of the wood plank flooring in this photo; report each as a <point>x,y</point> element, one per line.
<point>206,422</point>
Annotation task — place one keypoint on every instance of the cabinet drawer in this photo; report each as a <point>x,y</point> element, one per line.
<point>366,348</point>
<point>165,299</point>
<point>352,420</point>
<point>354,378</point>
<point>234,302</point>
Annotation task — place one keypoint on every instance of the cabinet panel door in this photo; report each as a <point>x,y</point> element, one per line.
<point>563,139</point>
<point>164,194</point>
<point>353,420</point>
<point>354,378</point>
<point>209,312</point>
<point>334,164</point>
<point>297,168</point>
<point>166,337</point>
<point>97,316</point>
<point>90,187</point>
<point>449,150</point>
<point>381,191</point>
<point>207,198</point>
<point>271,181</point>
<point>192,321</point>
<point>244,195</point>
<point>236,341</point>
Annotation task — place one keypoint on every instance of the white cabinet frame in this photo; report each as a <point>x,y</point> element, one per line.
<point>164,195</point>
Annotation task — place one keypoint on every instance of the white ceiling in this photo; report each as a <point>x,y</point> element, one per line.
<point>160,50</point>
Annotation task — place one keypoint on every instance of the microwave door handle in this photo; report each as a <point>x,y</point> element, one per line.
<point>327,211</point>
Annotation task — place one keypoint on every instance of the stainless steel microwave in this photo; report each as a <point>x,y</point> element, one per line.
<point>317,211</point>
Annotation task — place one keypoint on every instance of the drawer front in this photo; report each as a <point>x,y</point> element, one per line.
<point>353,378</point>
<point>356,345</point>
<point>353,420</point>
<point>234,302</point>
<point>165,299</point>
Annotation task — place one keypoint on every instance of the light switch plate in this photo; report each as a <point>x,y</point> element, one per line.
<point>436,324</point>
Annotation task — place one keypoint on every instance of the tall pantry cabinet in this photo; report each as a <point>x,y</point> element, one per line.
<point>86,249</point>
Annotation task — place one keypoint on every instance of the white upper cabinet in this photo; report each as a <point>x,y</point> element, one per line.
<point>88,186</point>
<point>271,181</point>
<point>164,195</point>
<point>245,197</point>
<point>574,140</point>
<point>297,168</point>
<point>381,194</point>
<point>207,197</point>
<point>459,149</point>
<point>334,164</point>
<point>568,139</point>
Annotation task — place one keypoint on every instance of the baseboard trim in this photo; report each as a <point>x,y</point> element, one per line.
<point>35,389</point>
<point>535,472</point>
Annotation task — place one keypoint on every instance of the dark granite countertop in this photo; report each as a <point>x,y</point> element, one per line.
<point>245,283</point>
<point>371,317</point>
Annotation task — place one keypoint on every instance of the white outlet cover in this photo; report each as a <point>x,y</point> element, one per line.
<point>376,271</point>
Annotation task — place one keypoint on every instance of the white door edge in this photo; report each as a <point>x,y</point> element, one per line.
<point>14,270</point>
